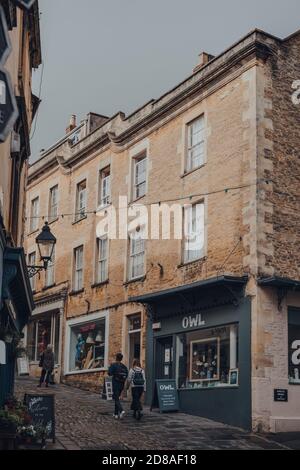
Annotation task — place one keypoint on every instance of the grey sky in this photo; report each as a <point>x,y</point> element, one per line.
<point>111,55</point>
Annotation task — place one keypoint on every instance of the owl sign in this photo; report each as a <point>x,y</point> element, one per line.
<point>8,106</point>
<point>27,4</point>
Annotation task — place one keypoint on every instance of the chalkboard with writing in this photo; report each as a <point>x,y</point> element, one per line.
<point>41,408</point>
<point>166,395</point>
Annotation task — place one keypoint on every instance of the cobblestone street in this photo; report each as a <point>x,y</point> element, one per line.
<point>84,421</point>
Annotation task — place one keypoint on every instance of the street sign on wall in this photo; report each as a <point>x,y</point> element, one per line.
<point>5,47</point>
<point>8,106</point>
<point>27,4</point>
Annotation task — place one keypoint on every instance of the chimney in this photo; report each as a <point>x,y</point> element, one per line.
<point>204,58</point>
<point>72,124</point>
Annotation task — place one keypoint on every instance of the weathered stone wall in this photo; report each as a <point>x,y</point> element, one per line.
<point>278,233</point>
<point>229,136</point>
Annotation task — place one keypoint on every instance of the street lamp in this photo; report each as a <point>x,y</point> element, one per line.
<point>46,242</point>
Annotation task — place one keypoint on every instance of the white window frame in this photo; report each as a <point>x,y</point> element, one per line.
<point>81,200</point>
<point>53,203</point>
<point>137,162</point>
<point>135,254</point>
<point>34,214</point>
<point>50,272</point>
<point>193,143</point>
<point>102,260</point>
<point>191,228</point>
<point>104,198</point>
<point>81,321</point>
<point>78,269</point>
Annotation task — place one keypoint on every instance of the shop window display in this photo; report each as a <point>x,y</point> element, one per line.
<point>294,347</point>
<point>87,349</point>
<point>208,358</point>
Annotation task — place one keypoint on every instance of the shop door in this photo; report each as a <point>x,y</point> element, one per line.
<point>164,348</point>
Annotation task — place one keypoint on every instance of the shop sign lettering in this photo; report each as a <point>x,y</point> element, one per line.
<point>296,94</point>
<point>296,354</point>
<point>193,321</point>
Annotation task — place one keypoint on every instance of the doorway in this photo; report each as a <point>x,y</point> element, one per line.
<point>164,358</point>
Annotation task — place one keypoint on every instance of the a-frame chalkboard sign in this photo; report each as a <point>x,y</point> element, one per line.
<point>41,408</point>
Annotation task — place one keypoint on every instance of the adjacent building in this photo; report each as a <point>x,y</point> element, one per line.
<point>217,309</point>
<point>16,300</point>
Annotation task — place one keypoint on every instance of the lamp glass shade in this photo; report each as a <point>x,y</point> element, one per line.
<point>90,339</point>
<point>99,337</point>
<point>45,242</point>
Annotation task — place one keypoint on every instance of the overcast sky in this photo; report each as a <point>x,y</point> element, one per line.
<point>111,55</point>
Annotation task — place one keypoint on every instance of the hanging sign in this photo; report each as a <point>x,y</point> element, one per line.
<point>23,366</point>
<point>27,4</point>
<point>5,47</point>
<point>8,106</point>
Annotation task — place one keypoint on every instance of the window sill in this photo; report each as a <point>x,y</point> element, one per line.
<point>189,263</point>
<point>32,232</point>
<point>86,371</point>
<point>136,279</point>
<point>48,287</point>
<point>134,201</point>
<point>79,220</point>
<point>103,207</point>
<point>201,389</point>
<point>73,293</point>
<point>52,221</point>
<point>189,172</point>
<point>100,284</point>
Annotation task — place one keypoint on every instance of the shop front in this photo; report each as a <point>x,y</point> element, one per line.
<point>200,336</point>
<point>86,350</point>
<point>15,310</point>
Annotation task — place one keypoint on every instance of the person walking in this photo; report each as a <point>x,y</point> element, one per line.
<point>137,381</point>
<point>119,373</point>
<point>47,365</point>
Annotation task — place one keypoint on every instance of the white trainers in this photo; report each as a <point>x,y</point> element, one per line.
<point>116,416</point>
<point>122,414</point>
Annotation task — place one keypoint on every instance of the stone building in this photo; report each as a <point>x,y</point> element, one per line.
<point>16,300</point>
<point>219,310</point>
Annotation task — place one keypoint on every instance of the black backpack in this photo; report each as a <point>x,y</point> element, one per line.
<point>138,378</point>
<point>121,373</point>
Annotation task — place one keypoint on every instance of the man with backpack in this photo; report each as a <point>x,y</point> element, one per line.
<point>119,373</point>
<point>137,381</point>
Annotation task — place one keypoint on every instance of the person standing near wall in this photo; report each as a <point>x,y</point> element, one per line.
<point>47,365</point>
<point>119,373</point>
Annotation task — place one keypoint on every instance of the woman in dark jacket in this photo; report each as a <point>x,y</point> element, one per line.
<point>47,365</point>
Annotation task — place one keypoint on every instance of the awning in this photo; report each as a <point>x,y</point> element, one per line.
<point>208,287</point>
<point>280,283</point>
<point>16,285</point>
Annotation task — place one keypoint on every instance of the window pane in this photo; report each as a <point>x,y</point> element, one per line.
<point>87,346</point>
<point>194,232</point>
<point>31,341</point>
<point>208,358</point>
<point>44,335</point>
